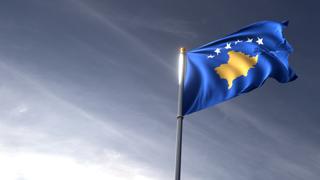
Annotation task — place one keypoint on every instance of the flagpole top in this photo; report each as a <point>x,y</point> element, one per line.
<point>182,50</point>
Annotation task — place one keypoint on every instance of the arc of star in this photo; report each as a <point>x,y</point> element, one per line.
<point>228,46</point>
<point>249,40</point>
<point>218,51</point>
<point>238,41</point>
<point>260,41</point>
<point>210,56</point>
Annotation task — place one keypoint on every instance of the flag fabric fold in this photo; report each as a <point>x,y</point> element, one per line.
<point>236,64</point>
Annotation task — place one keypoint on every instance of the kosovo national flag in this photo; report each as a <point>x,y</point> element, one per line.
<point>238,63</point>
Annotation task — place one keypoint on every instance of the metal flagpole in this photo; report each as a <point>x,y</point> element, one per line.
<point>181,71</point>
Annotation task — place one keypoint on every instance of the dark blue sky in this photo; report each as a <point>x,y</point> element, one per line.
<point>88,90</point>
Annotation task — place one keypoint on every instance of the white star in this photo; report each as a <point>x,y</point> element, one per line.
<point>259,41</point>
<point>249,40</point>
<point>217,51</point>
<point>210,56</point>
<point>228,46</point>
<point>238,41</point>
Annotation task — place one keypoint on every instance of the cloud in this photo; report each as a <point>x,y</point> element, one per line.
<point>45,137</point>
<point>39,166</point>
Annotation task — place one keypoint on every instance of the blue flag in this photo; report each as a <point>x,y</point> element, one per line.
<point>236,64</point>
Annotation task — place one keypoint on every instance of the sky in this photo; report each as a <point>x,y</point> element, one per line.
<point>88,90</point>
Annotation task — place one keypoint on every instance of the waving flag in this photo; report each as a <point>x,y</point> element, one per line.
<point>236,64</point>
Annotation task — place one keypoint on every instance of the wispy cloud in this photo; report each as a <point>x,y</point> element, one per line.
<point>135,42</point>
<point>171,26</point>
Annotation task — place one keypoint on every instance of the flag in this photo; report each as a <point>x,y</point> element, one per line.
<point>236,64</point>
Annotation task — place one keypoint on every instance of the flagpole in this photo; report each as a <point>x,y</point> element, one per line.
<point>181,71</point>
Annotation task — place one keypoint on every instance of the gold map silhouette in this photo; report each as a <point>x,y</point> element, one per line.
<point>238,65</point>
